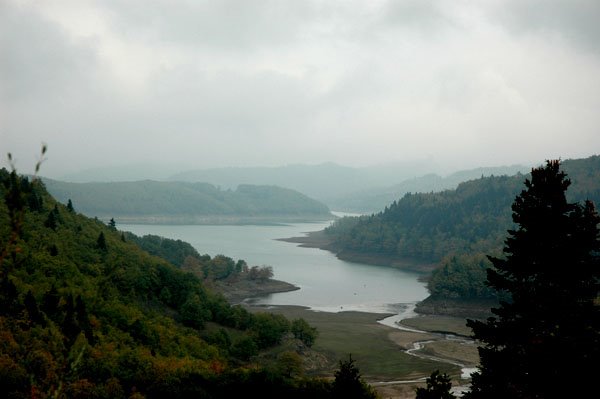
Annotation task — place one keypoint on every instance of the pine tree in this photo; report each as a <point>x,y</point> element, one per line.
<point>545,340</point>
<point>112,224</point>
<point>438,387</point>
<point>52,220</point>
<point>101,242</point>
<point>348,383</point>
<point>32,309</point>
<point>70,206</point>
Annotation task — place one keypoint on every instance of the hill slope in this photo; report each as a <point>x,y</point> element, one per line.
<point>87,313</point>
<point>453,228</point>
<point>179,202</point>
<point>375,199</point>
<point>322,181</point>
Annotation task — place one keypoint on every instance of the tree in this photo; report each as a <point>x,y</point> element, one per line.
<point>101,242</point>
<point>544,341</point>
<point>112,224</point>
<point>304,332</point>
<point>438,387</point>
<point>348,383</point>
<point>70,206</point>
<point>52,219</point>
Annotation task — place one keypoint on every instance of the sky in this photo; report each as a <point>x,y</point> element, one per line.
<point>203,84</point>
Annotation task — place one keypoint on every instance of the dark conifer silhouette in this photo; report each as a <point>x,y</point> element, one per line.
<point>101,242</point>
<point>52,219</point>
<point>70,206</point>
<point>438,387</point>
<point>32,308</point>
<point>545,340</point>
<point>348,382</point>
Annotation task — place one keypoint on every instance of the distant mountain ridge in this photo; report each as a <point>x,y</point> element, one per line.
<point>343,188</point>
<point>321,181</point>
<point>472,217</point>
<point>180,202</point>
<point>453,229</point>
<point>375,199</point>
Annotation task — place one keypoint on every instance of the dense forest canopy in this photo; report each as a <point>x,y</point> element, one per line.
<point>184,202</point>
<point>454,228</point>
<point>88,313</point>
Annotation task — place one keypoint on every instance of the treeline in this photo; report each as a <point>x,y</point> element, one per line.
<point>454,228</point>
<point>180,202</point>
<point>87,313</point>
<point>185,256</point>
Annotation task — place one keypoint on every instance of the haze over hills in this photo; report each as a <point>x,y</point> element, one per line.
<point>342,188</point>
<point>345,188</point>
<point>322,181</point>
<point>125,172</point>
<point>180,202</point>
<point>375,199</point>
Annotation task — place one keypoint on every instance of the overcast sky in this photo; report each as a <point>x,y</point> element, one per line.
<point>260,83</point>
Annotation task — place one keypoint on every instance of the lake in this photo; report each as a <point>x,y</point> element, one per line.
<point>326,283</point>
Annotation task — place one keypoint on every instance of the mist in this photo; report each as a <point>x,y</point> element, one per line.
<point>195,85</point>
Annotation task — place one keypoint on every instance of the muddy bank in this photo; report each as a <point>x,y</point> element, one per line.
<point>237,291</point>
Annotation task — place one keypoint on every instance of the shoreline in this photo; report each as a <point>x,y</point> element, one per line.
<point>476,308</point>
<point>236,292</point>
<point>320,240</point>
<point>217,220</point>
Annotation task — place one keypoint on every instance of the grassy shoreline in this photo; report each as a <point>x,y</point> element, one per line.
<point>379,350</point>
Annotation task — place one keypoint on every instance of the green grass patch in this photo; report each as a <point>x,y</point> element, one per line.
<point>459,351</point>
<point>359,334</point>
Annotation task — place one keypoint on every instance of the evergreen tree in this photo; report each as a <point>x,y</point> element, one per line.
<point>35,202</point>
<point>545,340</point>
<point>70,206</point>
<point>438,387</point>
<point>112,224</point>
<point>349,384</point>
<point>50,302</point>
<point>32,308</point>
<point>52,219</point>
<point>101,242</point>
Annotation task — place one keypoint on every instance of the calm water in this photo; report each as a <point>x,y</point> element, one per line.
<point>326,283</point>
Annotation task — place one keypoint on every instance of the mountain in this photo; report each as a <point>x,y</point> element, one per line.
<point>454,229</point>
<point>323,181</point>
<point>180,202</point>
<point>122,173</point>
<point>87,313</point>
<point>374,199</point>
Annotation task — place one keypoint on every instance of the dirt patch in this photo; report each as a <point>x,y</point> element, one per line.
<point>406,339</point>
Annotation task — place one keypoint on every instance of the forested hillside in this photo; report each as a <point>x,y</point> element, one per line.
<point>178,202</point>
<point>372,200</point>
<point>87,313</point>
<point>454,228</point>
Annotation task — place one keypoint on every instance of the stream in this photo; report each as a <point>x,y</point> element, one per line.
<point>409,312</point>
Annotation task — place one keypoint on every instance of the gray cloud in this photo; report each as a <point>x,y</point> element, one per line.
<point>575,20</point>
<point>279,82</point>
